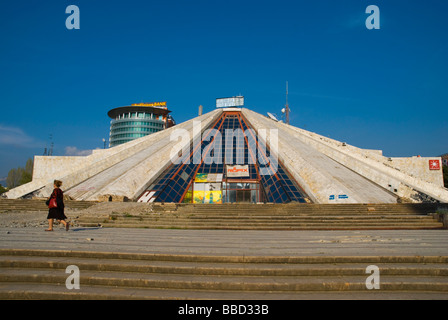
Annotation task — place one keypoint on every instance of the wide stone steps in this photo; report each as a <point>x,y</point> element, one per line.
<point>39,205</point>
<point>40,274</point>
<point>272,217</point>
<point>333,224</point>
<point>278,228</point>
<point>315,209</point>
<point>272,220</point>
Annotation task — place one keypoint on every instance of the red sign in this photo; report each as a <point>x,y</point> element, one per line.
<point>434,165</point>
<point>238,171</point>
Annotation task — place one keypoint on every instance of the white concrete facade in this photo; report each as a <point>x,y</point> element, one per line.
<point>121,171</point>
<point>329,171</point>
<point>307,155</point>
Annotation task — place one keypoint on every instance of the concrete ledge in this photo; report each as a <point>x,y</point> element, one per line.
<point>224,259</point>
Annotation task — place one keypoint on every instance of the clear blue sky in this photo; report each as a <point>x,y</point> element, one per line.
<point>379,89</point>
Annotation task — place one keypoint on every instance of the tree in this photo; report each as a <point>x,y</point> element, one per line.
<point>19,176</point>
<point>2,189</point>
<point>27,173</point>
<point>13,178</point>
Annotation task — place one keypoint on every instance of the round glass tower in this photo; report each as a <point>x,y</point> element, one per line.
<point>137,120</point>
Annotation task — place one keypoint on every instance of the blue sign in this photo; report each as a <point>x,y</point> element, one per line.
<point>342,196</point>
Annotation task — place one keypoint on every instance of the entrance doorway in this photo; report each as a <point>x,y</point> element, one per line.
<point>241,191</point>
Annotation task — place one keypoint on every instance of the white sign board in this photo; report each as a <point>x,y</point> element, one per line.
<point>237,171</point>
<point>230,102</point>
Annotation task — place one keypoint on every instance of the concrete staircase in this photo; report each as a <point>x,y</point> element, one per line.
<point>23,205</point>
<point>273,217</point>
<point>41,274</point>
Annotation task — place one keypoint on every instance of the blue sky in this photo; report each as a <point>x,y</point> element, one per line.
<point>378,89</point>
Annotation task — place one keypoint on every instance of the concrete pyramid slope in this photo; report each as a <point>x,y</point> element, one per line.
<point>131,176</point>
<point>320,175</point>
<point>327,170</point>
<point>122,171</point>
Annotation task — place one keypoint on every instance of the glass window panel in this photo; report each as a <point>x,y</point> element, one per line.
<point>277,188</point>
<point>254,196</point>
<point>232,196</point>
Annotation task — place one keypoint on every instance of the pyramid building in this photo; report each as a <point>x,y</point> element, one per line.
<point>231,155</point>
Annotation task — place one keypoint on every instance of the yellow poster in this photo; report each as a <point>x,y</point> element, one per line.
<point>201,177</point>
<point>207,196</point>
<point>213,197</point>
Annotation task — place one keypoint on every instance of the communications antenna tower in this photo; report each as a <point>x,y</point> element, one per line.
<point>287,105</point>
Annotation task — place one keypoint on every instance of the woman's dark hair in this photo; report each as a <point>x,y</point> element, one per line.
<point>57,183</point>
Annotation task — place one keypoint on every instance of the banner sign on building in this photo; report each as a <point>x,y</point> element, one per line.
<point>150,104</point>
<point>230,102</point>
<point>208,177</point>
<point>237,171</point>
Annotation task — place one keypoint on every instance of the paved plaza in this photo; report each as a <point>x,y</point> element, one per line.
<point>231,242</point>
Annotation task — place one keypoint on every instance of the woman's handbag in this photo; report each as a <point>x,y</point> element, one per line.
<point>53,203</point>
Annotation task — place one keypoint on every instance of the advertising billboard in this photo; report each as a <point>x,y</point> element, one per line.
<point>230,102</point>
<point>150,104</point>
<point>237,171</point>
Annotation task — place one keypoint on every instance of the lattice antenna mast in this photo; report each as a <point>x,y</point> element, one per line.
<point>287,105</point>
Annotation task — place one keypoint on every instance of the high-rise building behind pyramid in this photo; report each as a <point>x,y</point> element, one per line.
<point>138,120</point>
<point>231,155</point>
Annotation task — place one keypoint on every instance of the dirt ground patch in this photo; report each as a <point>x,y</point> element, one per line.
<point>22,219</point>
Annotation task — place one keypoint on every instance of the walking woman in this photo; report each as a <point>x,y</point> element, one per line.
<point>56,207</point>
